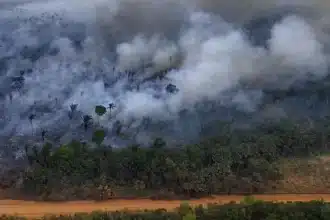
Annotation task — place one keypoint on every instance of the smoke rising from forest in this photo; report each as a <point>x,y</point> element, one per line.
<point>169,67</point>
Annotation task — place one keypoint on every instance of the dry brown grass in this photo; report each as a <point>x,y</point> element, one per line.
<point>310,175</point>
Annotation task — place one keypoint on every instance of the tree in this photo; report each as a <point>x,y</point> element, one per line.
<point>43,134</point>
<point>158,143</point>
<point>98,136</point>
<point>86,121</point>
<point>73,108</point>
<point>100,110</point>
<point>111,106</point>
<point>31,118</point>
<point>170,88</point>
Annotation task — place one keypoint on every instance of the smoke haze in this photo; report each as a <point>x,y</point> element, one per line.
<point>170,67</point>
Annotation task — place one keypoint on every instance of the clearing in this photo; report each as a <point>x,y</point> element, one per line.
<point>38,209</point>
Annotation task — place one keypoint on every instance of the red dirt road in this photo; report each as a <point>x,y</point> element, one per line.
<point>38,209</point>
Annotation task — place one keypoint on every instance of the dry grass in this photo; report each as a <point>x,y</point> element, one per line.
<point>310,175</point>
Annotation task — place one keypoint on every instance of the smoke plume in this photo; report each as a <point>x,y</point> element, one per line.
<point>170,68</point>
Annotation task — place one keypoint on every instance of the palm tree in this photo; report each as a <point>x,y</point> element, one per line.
<point>31,118</point>
<point>111,106</point>
<point>73,108</point>
<point>86,121</point>
<point>43,134</point>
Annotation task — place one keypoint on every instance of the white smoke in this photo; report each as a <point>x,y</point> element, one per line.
<point>294,41</point>
<point>201,43</point>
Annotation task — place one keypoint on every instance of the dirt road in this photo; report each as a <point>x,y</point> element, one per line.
<point>38,209</point>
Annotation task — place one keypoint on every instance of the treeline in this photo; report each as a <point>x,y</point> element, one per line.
<point>236,161</point>
<point>246,210</point>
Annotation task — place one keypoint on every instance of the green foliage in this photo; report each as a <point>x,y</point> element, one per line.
<point>189,216</point>
<point>184,209</point>
<point>235,161</point>
<point>100,110</point>
<point>250,200</point>
<point>98,136</point>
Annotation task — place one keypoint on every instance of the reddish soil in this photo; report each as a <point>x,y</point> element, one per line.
<point>37,209</point>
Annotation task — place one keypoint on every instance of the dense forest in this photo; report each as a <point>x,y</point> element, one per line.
<point>235,161</point>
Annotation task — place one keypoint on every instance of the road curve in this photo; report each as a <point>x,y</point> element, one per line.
<point>38,209</point>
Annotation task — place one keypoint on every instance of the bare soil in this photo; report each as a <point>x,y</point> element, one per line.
<point>38,209</point>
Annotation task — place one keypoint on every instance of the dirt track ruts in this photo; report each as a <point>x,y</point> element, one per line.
<point>37,209</point>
